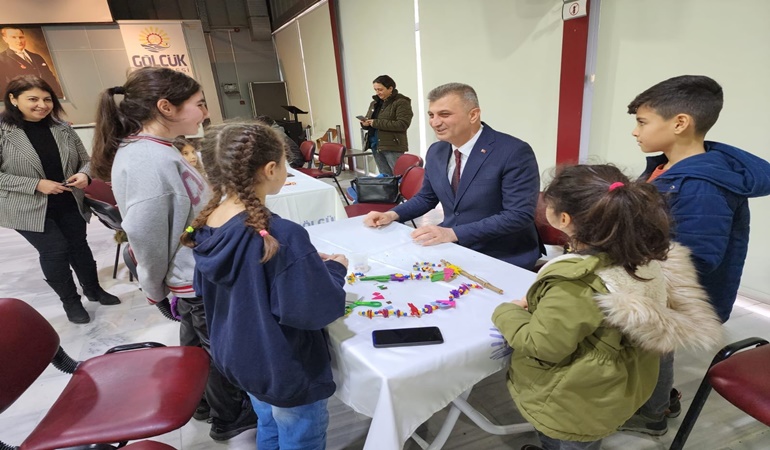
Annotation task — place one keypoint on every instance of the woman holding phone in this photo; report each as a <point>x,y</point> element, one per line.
<point>386,122</point>
<point>44,168</point>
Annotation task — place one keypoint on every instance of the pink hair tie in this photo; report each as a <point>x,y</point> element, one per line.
<point>616,185</point>
<point>263,233</point>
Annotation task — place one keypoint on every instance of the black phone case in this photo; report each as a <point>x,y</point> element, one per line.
<point>407,337</point>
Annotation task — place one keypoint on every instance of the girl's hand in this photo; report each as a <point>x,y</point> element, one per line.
<point>340,258</point>
<point>79,180</point>
<point>521,302</point>
<point>50,187</point>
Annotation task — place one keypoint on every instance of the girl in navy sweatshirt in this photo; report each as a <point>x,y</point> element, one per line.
<point>267,292</point>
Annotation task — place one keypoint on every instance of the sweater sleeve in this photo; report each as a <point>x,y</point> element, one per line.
<point>309,293</point>
<point>565,315</point>
<point>149,232</point>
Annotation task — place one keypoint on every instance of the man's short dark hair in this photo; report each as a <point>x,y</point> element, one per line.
<point>464,91</point>
<point>695,95</point>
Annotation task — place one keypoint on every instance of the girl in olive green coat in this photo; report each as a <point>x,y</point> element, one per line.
<point>587,338</point>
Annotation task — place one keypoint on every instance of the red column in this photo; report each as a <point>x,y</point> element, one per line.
<point>573,65</point>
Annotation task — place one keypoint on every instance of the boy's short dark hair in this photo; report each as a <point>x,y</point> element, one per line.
<point>695,95</point>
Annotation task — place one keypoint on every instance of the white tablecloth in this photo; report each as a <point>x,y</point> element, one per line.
<point>402,387</point>
<point>308,201</point>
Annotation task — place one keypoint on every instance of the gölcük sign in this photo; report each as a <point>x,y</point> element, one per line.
<point>156,44</point>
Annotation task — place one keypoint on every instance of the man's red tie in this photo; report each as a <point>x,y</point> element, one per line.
<point>458,166</point>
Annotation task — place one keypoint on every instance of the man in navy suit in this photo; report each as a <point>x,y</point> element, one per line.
<point>489,198</point>
<point>16,60</point>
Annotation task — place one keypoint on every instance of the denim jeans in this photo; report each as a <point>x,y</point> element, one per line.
<point>656,406</point>
<point>556,444</point>
<point>298,428</point>
<point>386,161</point>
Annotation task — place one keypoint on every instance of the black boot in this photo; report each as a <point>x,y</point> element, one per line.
<point>68,294</point>
<point>97,294</point>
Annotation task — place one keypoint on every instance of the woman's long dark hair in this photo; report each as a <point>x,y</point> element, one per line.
<point>141,93</point>
<point>627,220</point>
<point>18,86</point>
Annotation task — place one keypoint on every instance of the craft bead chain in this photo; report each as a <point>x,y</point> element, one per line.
<point>436,273</point>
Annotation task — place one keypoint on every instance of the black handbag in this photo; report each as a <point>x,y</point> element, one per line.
<point>376,189</point>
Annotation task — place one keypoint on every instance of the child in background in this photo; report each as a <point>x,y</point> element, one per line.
<point>707,186</point>
<point>189,150</point>
<point>588,336</point>
<point>268,293</point>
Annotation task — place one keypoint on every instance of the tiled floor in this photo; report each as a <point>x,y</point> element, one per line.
<point>721,426</point>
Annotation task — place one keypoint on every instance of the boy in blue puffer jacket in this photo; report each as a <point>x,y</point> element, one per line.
<point>707,186</point>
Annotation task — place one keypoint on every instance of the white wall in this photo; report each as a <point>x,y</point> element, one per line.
<point>642,43</point>
<point>378,40</point>
<point>510,52</point>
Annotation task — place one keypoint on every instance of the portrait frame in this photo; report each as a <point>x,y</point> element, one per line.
<point>39,61</point>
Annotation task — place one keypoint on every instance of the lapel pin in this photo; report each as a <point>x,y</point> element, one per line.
<point>483,150</point>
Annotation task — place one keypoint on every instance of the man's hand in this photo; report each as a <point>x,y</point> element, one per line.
<point>367,123</point>
<point>79,180</point>
<point>50,187</point>
<point>433,235</point>
<point>378,219</point>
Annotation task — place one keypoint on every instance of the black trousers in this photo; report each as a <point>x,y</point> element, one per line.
<point>62,244</point>
<point>224,398</point>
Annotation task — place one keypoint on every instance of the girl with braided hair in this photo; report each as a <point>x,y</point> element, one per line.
<point>268,293</point>
<point>158,194</point>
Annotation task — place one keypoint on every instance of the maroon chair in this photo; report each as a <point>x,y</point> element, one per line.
<point>307,148</point>
<point>741,377</point>
<point>403,163</point>
<point>132,392</point>
<point>331,154</point>
<point>411,183</point>
<point>100,199</point>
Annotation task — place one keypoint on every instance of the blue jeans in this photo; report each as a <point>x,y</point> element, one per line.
<point>556,444</point>
<point>298,428</point>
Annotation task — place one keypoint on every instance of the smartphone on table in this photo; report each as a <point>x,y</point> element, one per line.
<point>399,337</point>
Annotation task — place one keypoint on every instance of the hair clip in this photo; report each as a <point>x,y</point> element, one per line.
<point>189,229</point>
<point>616,185</point>
<point>263,233</point>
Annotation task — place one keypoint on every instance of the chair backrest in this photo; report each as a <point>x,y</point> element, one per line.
<point>404,162</point>
<point>307,148</point>
<point>100,190</point>
<point>548,234</point>
<point>29,343</point>
<point>108,214</point>
<point>332,154</point>
<point>411,182</point>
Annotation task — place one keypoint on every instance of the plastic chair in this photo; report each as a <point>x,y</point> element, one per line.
<point>332,155</point>
<point>307,148</point>
<point>411,183</point>
<point>132,392</point>
<point>99,197</point>
<point>404,162</point>
<point>741,378</point>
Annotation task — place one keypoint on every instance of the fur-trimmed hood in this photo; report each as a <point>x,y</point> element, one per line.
<point>668,312</point>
